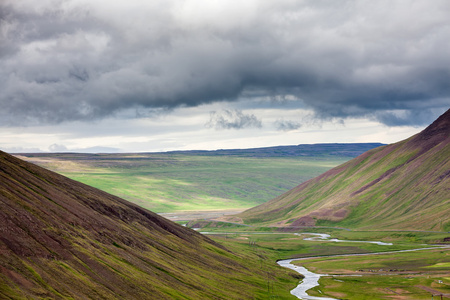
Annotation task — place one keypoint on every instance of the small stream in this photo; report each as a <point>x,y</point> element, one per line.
<point>324,236</point>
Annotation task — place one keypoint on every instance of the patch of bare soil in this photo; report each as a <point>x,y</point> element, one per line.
<point>304,221</point>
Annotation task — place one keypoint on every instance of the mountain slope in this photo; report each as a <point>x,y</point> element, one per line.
<point>405,185</point>
<point>61,239</point>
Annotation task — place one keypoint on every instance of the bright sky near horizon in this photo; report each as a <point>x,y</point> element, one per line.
<point>159,75</point>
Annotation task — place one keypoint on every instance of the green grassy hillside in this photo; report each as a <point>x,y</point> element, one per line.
<point>403,186</point>
<point>201,180</point>
<point>61,239</point>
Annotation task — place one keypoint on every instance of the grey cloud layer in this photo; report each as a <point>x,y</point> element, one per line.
<point>284,125</point>
<point>75,60</point>
<point>232,119</point>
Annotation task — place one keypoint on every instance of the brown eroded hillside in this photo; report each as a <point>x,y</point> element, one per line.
<point>64,240</point>
<point>405,185</point>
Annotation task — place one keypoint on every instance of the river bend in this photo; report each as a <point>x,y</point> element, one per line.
<point>312,279</point>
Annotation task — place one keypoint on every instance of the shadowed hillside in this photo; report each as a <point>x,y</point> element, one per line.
<point>62,239</point>
<point>405,185</point>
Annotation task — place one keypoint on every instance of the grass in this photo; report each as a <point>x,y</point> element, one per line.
<point>245,275</point>
<point>84,243</point>
<point>287,245</point>
<point>181,182</point>
<point>411,275</point>
<point>249,270</point>
<point>392,187</point>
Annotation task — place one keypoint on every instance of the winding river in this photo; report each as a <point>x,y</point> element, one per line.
<point>312,279</point>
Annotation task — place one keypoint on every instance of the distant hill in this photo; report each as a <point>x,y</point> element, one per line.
<point>61,239</point>
<point>302,150</point>
<point>405,185</point>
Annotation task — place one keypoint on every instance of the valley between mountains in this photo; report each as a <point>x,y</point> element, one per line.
<point>63,239</point>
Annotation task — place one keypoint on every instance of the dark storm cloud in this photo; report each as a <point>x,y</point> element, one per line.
<point>232,119</point>
<point>77,60</point>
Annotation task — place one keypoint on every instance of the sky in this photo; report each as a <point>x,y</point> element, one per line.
<point>151,75</point>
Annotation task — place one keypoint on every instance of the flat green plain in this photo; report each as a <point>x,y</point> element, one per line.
<point>407,275</point>
<point>179,182</point>
<point>404,275</point>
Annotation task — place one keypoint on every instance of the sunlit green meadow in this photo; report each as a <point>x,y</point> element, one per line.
<point>180,182</point>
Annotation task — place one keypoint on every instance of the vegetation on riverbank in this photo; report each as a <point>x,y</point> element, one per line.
<point>407,275</point>
<point>413,275</point>
<point>284,245</point>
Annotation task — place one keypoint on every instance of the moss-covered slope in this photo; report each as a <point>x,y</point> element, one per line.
<point>60,239</point>
<point>405,185</point>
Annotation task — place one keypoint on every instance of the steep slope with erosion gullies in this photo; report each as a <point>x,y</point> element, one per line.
<point>61,239</point>
<point>405,185</point>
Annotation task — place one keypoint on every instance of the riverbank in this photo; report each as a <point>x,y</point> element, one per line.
<point>321,254</point>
